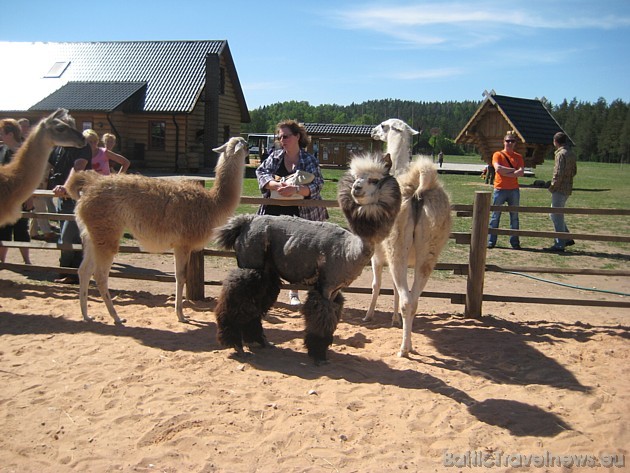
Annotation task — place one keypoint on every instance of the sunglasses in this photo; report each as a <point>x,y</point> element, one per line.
<point>510,141</point>
<point>284,137</point>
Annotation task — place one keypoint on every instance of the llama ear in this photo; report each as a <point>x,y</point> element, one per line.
<point>413,132</point>
<point>398,125</point>
<point>221,148</point>
<point>388,162</point>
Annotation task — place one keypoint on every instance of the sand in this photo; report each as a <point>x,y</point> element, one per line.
<point>525,384</point>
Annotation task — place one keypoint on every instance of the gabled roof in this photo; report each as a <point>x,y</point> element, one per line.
<point>530,118</point>
<point>332,129</point>
<point>527,117</point>
<point>174,71</point>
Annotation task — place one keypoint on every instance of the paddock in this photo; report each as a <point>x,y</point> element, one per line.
<point>474,270</point>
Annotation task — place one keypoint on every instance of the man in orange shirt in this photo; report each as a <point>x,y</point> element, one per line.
<point>509,166</point>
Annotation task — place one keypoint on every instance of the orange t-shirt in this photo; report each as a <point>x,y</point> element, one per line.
<point>507,182</point>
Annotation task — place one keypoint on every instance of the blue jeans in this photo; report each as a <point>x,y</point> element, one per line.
<point>500,197</point>
<point>69,234</point>
<point>559,200</point>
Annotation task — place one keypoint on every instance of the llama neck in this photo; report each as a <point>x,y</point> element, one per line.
<point>399,149</point>
<point>228,183</point>
<point>29,162</point>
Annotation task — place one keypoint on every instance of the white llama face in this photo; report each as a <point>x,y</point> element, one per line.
<point>365,188</point>
<point>381,132</point>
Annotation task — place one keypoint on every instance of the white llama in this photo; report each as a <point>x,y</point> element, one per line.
<point>22,175</point>
<point>419,234</point>
<point>160,214</point>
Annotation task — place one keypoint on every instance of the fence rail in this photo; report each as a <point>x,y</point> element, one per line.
<point>474,269</point>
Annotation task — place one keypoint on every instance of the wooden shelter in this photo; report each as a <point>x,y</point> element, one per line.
<point>334,144</point>
<point>169,103</point>
<point>497,114</point>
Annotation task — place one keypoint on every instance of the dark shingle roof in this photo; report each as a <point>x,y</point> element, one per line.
<point>174,71</point>
<point>105,96</point>
<point>529,116</point>
<point>333,129</point>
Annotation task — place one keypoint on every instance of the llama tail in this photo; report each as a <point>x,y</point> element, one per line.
<point>79,181</point>
<point>421,177</point>
<point>226,235</point>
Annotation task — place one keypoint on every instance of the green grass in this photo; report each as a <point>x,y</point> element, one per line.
<point>597,185</point>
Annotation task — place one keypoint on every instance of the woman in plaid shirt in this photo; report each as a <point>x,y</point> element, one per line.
<point>284,161</point>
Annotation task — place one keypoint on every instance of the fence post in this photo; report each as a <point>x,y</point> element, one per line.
<point>477,256</point>
<point>195,274</point>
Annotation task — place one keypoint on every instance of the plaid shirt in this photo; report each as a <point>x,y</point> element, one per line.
<point>564,169</point>
<point>307,162</point>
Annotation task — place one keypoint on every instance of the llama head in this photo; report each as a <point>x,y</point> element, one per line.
<point>234,146</point>
<point>393,125</point>
<point>369,196</point>
<point>367,172</point>
<point>60,130</point>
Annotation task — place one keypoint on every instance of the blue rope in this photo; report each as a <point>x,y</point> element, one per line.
<point>573,286</point>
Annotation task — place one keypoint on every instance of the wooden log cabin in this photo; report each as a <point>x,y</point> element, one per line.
<point>335,144</point>
<point>497,114</point>
<point>168,102</point>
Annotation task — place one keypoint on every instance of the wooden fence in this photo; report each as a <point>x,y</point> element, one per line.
<point>474,269</point>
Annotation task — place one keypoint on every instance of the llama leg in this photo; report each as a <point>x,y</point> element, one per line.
<point>181,266</point>
<point>396,316</point>
<point>102,265</point>
<point>228,329</point>
<point>377,277</point>
<point>422,273</point>
<point>253,333</point>
<point>321,316</point>
<point>86,270</point>
<point>399,275</point>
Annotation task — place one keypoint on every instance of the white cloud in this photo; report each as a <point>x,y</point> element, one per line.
<point>461,24</point>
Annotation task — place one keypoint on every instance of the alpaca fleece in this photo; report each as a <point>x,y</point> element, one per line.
<point>320,254</point>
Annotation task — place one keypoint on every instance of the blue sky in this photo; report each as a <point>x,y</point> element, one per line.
<point>351,51</point>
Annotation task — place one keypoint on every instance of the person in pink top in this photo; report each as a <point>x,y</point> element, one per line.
<point>102,156</point>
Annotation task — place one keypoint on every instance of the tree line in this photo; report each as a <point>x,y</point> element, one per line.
<point>600,131</point>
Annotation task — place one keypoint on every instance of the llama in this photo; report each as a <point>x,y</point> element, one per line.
<point>22,175</point>
<point>419,234</point>
<point>160,214</point>
<point>397,134</point>
<point>319,254</point>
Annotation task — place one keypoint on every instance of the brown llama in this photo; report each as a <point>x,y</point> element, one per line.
<point>160,214</point>
<point>22,175</point>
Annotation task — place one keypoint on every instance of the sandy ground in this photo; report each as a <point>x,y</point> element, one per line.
<point>523,385</point>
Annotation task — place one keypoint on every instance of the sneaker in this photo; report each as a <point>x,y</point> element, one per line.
<point>71,279</point>
<point>516,247</point>
<point>570,243</point>
<point>491,245</point>
<point>554,249</point>
<point>294,300</point>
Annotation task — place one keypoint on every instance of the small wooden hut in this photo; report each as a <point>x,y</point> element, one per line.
<point>497,114</point>
<point>334,144</point>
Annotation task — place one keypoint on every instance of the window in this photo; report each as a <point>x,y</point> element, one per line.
<point>157,136</point>
<point>226,133</point>
<point>57,70</point>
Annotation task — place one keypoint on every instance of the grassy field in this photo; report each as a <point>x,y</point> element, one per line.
<point>597,185</point>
